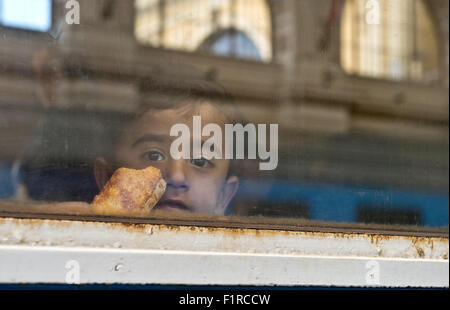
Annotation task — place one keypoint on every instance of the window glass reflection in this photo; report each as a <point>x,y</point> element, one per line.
<point>283,133</point>
<point>26,14</point>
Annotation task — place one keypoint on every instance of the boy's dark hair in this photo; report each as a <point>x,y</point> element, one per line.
<point>157,94</point>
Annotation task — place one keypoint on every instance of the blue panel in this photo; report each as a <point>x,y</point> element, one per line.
<point>6,184</point>
<point>335,203</point>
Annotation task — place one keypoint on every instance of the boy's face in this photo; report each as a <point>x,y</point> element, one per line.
<point>200,185</point>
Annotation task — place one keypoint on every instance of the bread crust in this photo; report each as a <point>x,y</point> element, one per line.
<point>130,192</point>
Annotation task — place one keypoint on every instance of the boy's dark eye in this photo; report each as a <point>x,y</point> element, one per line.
<point>202,163</point>
<point>154,156</point>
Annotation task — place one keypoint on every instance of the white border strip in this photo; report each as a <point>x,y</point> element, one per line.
<point>40,264</point>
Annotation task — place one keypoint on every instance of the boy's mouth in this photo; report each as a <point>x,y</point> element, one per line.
<point>174,205</point>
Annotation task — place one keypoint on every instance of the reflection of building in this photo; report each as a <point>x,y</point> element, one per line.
<point>336,129</point>
<point>188,25</point>
<point>402,45</point>
<point>35,15</point>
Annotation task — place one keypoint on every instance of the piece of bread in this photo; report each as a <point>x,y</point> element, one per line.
<point>130,192</point>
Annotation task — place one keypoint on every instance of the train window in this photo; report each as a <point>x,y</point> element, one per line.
<point>82,120</point>
<point>25,14</point>
<point>262,151</point>
<point>230,117</point>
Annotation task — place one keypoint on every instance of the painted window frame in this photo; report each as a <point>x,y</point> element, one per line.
<point>109,250</point>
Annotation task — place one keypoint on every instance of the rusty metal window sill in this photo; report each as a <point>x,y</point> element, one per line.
<point>50,250</point>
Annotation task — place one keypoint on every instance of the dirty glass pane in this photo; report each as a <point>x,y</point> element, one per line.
<point>288,112</point>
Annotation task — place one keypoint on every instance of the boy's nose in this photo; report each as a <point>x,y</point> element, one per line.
<point>175,175</point>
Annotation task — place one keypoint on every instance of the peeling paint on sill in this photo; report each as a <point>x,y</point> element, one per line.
<point>45,232</point>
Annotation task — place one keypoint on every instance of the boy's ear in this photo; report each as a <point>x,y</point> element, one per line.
<point>229,189</point>
<point>102,172</point>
